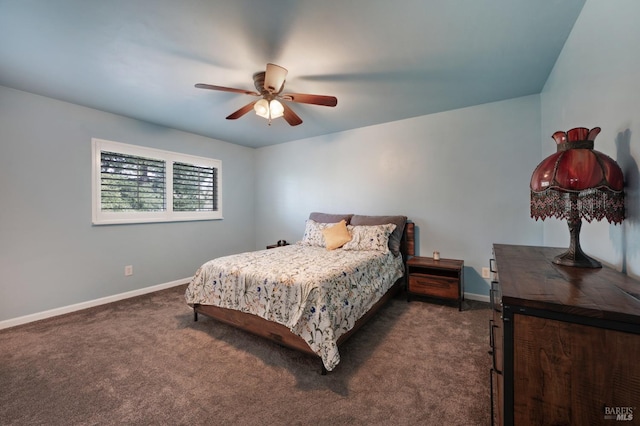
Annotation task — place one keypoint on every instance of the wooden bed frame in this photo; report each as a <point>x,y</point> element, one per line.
<point>280,334</point>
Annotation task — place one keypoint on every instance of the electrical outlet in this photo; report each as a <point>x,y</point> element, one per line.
<point>128,270</point>
<point>486,273</point>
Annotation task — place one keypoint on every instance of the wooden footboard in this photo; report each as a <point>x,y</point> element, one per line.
<point>280,334</point>
<point>256,325</point>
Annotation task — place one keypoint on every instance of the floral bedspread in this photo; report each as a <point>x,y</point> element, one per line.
<point>316,293</point>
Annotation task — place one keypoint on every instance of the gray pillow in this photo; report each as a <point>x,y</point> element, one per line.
<point>329,218</point>
<point>396,235</point>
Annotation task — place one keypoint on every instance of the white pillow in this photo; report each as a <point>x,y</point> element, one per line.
<point>369,237</point>
<point>313,233</point>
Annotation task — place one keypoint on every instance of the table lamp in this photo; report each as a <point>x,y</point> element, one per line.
<point>575,183</point>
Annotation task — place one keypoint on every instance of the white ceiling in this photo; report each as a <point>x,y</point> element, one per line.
<point>384,60</point>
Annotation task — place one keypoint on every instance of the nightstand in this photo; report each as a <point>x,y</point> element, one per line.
<point>437,279</point>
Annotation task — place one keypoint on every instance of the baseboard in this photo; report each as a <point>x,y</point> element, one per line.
<point>89,304</point>
<point>109,299</point>
<point>478,297</point>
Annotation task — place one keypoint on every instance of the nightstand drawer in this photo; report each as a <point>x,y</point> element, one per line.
<point>432,285</point>
<point>436,278</point>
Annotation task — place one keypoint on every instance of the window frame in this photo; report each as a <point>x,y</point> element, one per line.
<point>100,217</point>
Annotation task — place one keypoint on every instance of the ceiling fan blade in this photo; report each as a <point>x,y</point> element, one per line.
<point>242,111</point>
<point>302,98</point>
<point>226,89</point>
<point>274,78</point>
<point>290,116</point>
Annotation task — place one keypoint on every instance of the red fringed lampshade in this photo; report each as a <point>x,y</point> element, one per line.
<point>575,183</point>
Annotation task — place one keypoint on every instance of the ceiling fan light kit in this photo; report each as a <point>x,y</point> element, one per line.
<point>276,109</point>
<point>268,110</point>
<point>269,86</point>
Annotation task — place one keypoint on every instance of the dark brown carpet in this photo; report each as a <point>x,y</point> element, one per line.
<point>144,361</point>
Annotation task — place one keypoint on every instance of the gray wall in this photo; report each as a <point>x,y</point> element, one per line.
<point>462,176</point>
<point>595,82</point>
<point>50,254</point>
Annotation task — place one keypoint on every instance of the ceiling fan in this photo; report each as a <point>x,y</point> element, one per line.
<point>269,86</point>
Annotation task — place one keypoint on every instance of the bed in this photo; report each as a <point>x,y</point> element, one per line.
<point>313,295</point>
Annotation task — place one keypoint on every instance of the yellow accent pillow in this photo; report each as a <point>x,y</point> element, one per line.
<point>336,236</point>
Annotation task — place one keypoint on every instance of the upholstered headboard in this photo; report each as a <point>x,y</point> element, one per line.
<point>402,240</point>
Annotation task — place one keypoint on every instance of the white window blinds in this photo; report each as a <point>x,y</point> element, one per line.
<point>133,184</point>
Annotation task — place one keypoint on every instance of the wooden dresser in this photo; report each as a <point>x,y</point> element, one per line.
<point>565,342</point>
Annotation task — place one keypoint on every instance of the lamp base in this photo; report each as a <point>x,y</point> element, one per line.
<point>576,258</point>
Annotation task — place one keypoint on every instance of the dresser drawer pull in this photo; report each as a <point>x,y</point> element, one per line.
<point>491,393</point>
<point>492,301</point>
<point>491,336</point>
<point>493,356</point>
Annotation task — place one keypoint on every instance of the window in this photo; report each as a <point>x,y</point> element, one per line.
<point>193,188</point>
<point>133,184</point>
